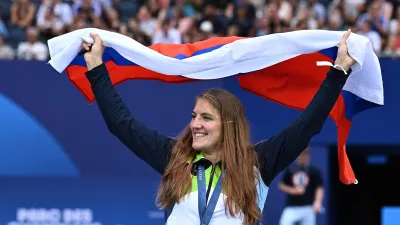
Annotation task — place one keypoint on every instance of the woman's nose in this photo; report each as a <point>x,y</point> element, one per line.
<point>196,123</point>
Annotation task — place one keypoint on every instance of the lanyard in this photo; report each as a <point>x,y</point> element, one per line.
<point>206,212</point>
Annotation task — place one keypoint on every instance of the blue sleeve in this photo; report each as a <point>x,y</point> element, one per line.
<point>144,142</point>
<point>278,152</point>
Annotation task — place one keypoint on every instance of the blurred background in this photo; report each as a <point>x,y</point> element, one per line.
<point>60,165</point>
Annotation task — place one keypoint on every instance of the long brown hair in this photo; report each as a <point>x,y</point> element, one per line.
<point>237,153</point>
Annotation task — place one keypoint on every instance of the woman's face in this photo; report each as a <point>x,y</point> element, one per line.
<point>206,126</point>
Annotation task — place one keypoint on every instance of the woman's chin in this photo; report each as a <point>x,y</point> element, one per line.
<point>197,148</point>
<point>200,148</point>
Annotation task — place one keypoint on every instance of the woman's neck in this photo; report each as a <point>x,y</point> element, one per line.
<point>213,157</point>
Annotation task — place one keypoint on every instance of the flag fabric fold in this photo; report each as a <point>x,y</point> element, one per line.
<point>279,67</point>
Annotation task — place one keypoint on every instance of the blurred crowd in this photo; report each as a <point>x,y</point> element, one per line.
<point>26,25</point>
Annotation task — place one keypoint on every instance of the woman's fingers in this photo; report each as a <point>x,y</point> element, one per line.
<point>345,36</point>
<point>96,38</point>
<point>85,46</point>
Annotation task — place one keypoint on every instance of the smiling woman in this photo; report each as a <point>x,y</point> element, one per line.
<point>206,127</point>
<point>219,135</point>
<point>212,174</point>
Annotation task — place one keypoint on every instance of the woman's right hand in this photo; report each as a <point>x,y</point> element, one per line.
<point>94,56</point>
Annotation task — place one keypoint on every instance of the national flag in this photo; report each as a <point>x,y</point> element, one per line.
<point>279,67</point>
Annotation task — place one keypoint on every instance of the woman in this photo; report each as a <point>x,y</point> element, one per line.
<point>213,160</point>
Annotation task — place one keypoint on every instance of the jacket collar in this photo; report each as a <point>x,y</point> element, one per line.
<point>201,159</point>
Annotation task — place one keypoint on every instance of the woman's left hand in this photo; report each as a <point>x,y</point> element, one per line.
<point>94,55</point>
<point>343,58</point>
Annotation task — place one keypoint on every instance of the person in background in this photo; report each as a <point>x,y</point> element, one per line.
<point>22,13</point>
<point>167,34</point>
<point>32,48</point>
<point>6,52</point>
<point>372,35</point>
<point>54,17</point>
<point>303,184</point>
